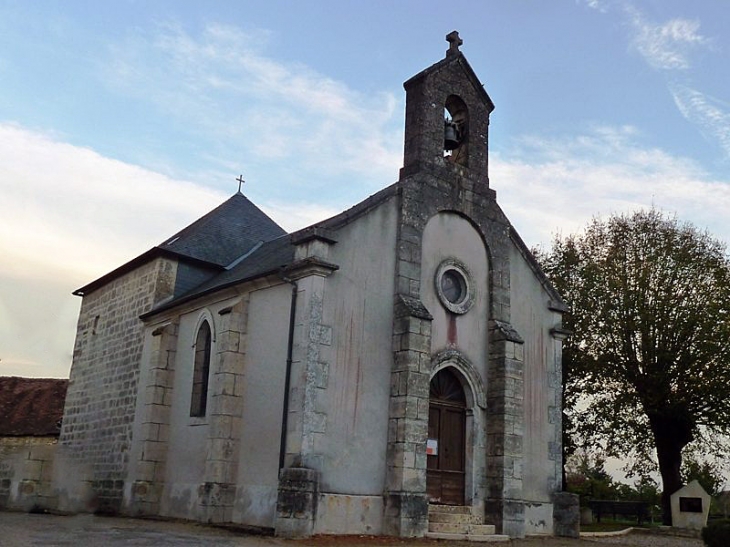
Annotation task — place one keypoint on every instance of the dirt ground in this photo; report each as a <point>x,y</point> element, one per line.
<point>23,530</point>
<point>638,539</point>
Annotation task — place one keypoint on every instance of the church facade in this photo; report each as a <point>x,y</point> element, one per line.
<point>348,378</point>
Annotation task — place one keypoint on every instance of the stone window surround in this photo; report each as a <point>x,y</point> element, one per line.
<point>204,316</point>
<point>455,265</point>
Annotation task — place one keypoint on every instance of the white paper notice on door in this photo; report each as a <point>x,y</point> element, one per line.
<point>432,447</point>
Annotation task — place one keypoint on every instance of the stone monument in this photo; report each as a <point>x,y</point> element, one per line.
<point>690,507</point>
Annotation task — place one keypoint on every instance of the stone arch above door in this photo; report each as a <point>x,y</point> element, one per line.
<point>474,388</point>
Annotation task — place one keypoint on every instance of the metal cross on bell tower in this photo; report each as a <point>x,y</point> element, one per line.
<point>240,182</point>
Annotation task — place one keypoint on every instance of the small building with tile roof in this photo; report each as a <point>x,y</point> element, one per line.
<point>31,407</point>
<point>375,373</point>
<point>31,410</point>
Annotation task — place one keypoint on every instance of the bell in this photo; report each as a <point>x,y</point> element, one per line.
<point>451,136</point>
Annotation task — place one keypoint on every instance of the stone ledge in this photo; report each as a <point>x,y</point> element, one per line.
<point>492,538</point>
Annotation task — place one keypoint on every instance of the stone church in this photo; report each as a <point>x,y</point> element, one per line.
<point>373,373</point>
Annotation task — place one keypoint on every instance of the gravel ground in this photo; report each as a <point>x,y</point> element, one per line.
<point>22,530</point>
<point>629,540</point>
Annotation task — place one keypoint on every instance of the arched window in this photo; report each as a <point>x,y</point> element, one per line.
<point>201,371</point>
<point>456,131</point>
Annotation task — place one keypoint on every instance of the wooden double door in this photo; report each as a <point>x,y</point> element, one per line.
<point>445,479</point>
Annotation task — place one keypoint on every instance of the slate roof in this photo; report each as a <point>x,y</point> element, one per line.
<point>215,240</point>
<point>31,406</point>
<point>270,257</point>
<point>274,255</point>
<point>225,234</point>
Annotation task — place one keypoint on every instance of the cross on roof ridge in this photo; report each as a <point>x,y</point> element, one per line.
<point>454,42</point>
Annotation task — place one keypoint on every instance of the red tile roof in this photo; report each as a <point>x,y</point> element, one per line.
<point>31,406</point>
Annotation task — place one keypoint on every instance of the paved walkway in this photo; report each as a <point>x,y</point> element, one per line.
<point>23,530</point>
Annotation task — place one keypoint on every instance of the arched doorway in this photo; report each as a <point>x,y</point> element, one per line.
<point>445,479</point>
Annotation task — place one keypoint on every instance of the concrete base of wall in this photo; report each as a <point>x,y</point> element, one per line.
<point>255,505</point>
<point>348,514</point>
<point>539,519</point>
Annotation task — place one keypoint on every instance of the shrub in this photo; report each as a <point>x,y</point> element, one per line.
<point>717,533</point>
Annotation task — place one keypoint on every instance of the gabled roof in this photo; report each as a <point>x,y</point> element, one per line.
<point>31,406</point>
<point>225,234</point>
<point>460,60</point>
<point>268,258</point>
<point>214,241</point>
<point>275,255</point>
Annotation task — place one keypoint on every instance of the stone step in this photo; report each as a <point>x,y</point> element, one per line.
<point>461,528</point>
<point>491,538</point>
<point>481,529</point>
<point>454,509</point>
<point>456,518</point>
<point>448,528</point>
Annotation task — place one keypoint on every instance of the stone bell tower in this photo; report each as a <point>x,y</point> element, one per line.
<point>447,98</point>
<point>445,177</point>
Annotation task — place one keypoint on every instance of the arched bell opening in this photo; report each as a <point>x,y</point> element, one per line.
<point>446,448</point>
<point>456,131</point>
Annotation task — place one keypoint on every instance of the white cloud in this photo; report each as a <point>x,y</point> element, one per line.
<point>296,215</point>
<point>556,185</point>
<point>599,5</point>
<point>69,216</point>
<point>711,115</point>
<point>60,200</point>
<point>666,46</point>
<point>221,86</point>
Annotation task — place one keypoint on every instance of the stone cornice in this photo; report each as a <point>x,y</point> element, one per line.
<point>309,266</point>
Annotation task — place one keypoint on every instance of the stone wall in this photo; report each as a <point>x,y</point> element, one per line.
<point>148,475</point>
<point>100,404</point>
<point>26,472</point>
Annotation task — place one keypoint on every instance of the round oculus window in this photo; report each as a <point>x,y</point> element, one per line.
<point>454,287</point>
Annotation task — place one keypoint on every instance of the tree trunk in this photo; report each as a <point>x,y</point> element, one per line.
<point>671,435</point>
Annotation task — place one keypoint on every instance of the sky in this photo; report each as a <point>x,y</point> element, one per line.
<point>122,122</point>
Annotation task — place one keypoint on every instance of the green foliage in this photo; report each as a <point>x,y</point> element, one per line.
<point>704,472</point>
<point>717,533</point>
<point>587,477</point>
<point>644,489</point>
<point>647,371</point>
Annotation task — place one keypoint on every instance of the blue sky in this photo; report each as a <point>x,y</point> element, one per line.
<point>121,122</point>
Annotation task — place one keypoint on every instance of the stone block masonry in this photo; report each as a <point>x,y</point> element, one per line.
<point>150,469</point>
<point>97,427</point>
<point>26,472</point>
<point>406,506</point>
<point>504,505</point>
<point>216,495</point>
